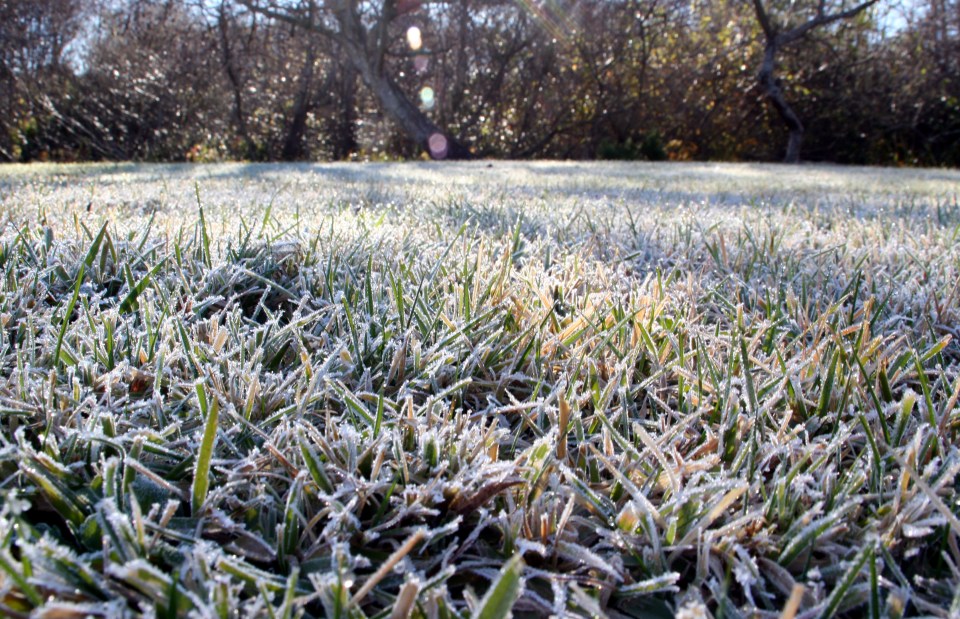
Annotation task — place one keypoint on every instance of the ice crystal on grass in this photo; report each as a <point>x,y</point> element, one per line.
<point>426,391</point>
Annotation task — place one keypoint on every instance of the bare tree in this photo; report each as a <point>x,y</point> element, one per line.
<point>362,31</point>
<point>149,88</point>
<point>778,36</point>
<point>280,77</point>
<point>231,66</point>
<point>34,38</point>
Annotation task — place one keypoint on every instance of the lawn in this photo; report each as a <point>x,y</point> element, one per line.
<point>435,390</point>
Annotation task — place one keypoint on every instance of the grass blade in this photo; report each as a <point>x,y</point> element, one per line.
<point>503,593</point>
<point>201,474</point>
<point>129,302</point>
<point>849,577</point>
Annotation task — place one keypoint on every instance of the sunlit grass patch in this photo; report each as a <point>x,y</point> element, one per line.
<point>376,391</point>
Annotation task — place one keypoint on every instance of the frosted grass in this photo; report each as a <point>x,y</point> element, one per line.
<point>573,389</point>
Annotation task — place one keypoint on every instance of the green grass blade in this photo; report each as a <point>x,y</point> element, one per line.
<point>129,302</point>
<point>16,575</point>
<point>204,235</point>
<point>95,246</point>
<point>314,464</point>
<point>65,320</point>
<point>201,475</point>
<point>503,593</point>
<point>826,389</point>
<point>849,577</point>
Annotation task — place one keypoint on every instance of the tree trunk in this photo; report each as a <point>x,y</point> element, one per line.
<point>366,49</point>
<point>293,149</point>
<point>771,87</point>
<point>775,40</point>
<point>238,113</point>
<point>343,124</point>
<point>401,110</point>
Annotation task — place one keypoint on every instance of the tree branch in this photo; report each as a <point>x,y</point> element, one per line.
<point>295,19</point>
<point>381,40</point>
<point>822,19</point>
<point>764,19</point>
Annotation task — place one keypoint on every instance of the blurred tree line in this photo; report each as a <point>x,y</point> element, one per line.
<point>201,80</point>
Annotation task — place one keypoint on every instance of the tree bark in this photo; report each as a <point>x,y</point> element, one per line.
<point>236,86</point>
<point>293,148</point>
<point>773,91</point>
<point>776,38</point>
<point>343,124</point>
<point>365,50</point>
<point>411,120</point>
<point>398,106</point>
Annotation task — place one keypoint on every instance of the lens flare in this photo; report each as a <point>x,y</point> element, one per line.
<point>427,97</point>
<point>414,38</point>
<point>438,146</point>
<point>553,18</point>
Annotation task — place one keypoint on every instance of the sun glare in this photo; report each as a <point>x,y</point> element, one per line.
<point>427,97</point>
<point>414,38</point>
<point>438,146</point>
<point>552,17</point>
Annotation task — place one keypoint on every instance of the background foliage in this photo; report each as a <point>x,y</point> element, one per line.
<point>177,80</point>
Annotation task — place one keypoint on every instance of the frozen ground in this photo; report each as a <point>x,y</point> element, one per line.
<point>609,389</point>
